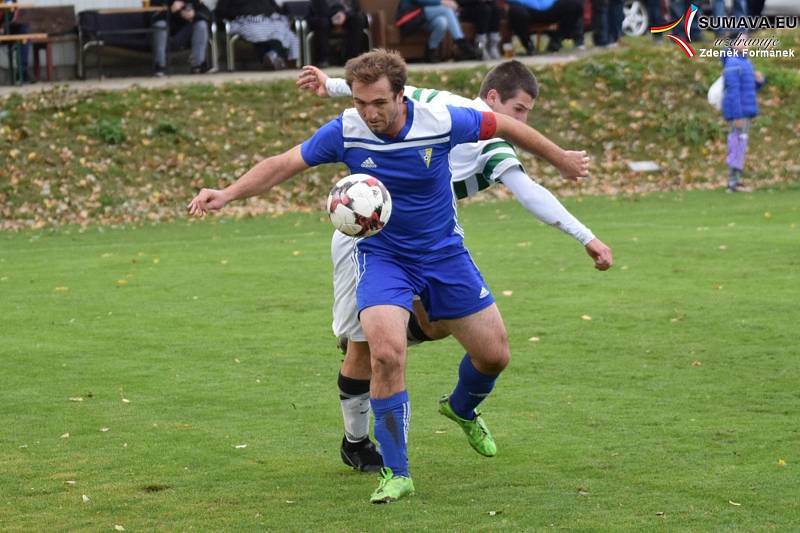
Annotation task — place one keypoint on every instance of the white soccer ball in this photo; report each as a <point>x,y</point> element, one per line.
<point>359,205</point>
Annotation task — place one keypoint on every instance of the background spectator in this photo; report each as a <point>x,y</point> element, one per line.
<point>718,10</point>
<point>17,28</point>
<point>261,22</point>
<point>485,15</point>
<point>188,27</point>
<point>607,17</point>
<point>441,18</point>
<point>341,14</point>
<point>568,14</point>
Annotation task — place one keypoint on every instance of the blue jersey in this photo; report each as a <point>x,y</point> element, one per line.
<point>414,166</point>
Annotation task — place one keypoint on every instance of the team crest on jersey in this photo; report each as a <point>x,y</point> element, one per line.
<point>426,155</point>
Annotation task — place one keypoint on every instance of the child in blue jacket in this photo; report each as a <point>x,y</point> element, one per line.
<point>739,107</point>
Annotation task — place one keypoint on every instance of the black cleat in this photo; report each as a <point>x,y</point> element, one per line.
<point>362,455</point>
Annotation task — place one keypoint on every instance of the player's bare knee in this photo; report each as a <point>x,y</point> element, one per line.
<point>387,356</point>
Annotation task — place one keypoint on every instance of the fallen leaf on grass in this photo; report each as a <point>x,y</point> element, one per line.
<point>737,504</point>
<point>65,436</point>
<point>85,498</point>
<point>660,513</point>
<point>76,399</point>
<point>296,253</point>
<point>696,363</point>
<point>494,513</point>
<point>122,282</point>
<point>781,462</point>
<point>585,317</point>
<point>70,482</point>
<point>240,446</point>
<point>583,491</point>
<point>767,215</point>
<point>508,293</point>
<point>125,400</point>
<point>103,430</point>
<point>61,289</point>
<point>534,339</point>
<point>717,286</point>
<point>119,527</point>
<point>723,247</point>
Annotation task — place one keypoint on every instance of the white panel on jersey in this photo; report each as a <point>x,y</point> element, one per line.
<point>430,120</point>
<point>353,127</point>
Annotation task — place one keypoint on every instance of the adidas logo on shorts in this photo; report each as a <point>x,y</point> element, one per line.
<point>484,293</point>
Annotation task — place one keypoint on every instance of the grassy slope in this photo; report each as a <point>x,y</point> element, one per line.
<point>136,155</point>
<point>678,397</point>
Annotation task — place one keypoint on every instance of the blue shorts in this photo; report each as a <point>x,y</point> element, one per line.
<point>449,288</point>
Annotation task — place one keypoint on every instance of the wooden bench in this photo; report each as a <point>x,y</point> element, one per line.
<point>14,40</point>
<point>57,22</point>
<point>22,38</point>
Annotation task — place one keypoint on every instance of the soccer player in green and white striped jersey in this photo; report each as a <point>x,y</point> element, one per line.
<point>510,88</point>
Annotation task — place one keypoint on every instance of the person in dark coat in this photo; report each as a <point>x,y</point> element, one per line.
<point>340,15</point>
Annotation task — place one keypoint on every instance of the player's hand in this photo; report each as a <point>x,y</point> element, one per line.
<point>206,200</point>
<point>313,80</point>
<point>600,253</point>
<point>575,165</point>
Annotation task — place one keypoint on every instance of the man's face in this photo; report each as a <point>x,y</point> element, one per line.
<point>516,107</point>
<point>378,106</point>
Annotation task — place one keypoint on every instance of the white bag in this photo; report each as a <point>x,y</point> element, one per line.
<point>715,93</point>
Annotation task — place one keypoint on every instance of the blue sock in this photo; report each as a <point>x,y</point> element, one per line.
<point>391,430</point>
<point>471,389</point>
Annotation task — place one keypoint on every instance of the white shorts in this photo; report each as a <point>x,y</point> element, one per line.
<point>345,280</point>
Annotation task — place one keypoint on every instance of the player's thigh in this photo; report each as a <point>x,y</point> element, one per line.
<point>345,279</point>
<point>433,330</point>
<point>484,336</point>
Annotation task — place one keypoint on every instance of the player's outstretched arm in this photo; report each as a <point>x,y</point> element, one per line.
<point>258,180</point>
<point>571,164</point>
<point>543,205</point>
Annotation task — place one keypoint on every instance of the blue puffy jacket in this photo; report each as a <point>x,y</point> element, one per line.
<point>739,99</point>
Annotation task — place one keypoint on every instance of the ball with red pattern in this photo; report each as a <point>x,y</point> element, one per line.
<point>359,205</point>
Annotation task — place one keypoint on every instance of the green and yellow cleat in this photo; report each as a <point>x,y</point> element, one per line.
<point>478,435</point>
<point>392,487</point>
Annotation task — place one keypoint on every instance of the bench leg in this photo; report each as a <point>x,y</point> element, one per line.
<point>48,56</point>
<point>36,50</point>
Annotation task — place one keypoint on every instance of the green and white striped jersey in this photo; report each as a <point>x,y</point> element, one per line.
<point>474,166</point>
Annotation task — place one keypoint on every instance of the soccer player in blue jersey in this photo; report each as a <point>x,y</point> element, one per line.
<point>509,88</point>
<point>409,144</point>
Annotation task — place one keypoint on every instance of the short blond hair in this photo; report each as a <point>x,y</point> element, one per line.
<point>371,66</point>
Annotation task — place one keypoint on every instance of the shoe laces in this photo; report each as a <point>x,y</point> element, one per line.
<point>386,475</point>
<point>477,426</point>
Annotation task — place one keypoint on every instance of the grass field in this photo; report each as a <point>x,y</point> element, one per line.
<point>136,364</point>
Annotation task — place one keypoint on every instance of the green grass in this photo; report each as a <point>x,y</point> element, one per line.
<point>669,410</point>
